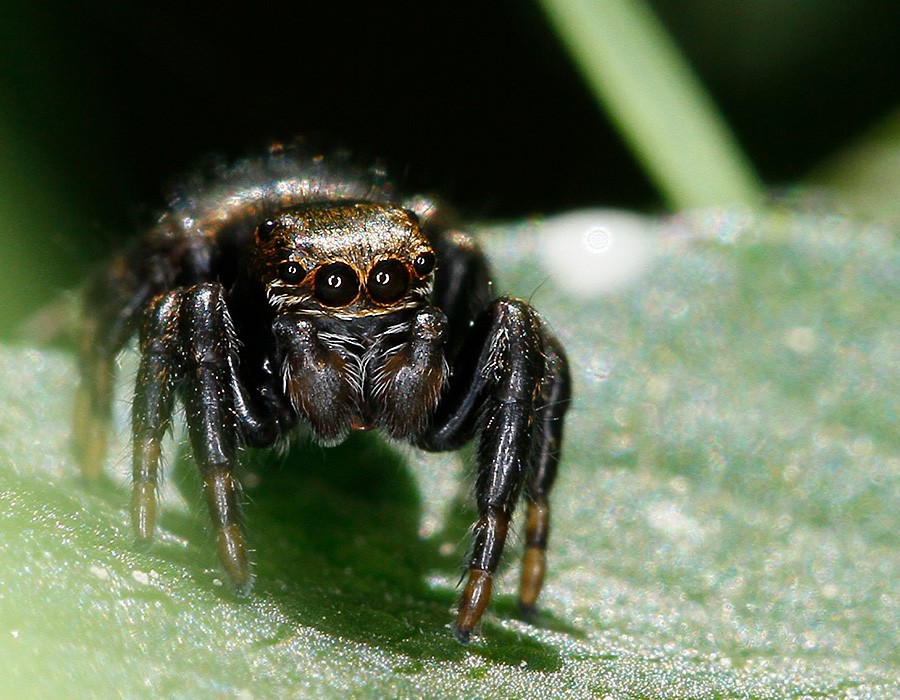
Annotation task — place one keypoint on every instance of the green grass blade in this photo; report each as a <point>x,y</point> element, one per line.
<point>866,174</point>
<point>655,100</point>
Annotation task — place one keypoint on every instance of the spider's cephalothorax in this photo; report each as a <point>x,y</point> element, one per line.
<point>291,290</point>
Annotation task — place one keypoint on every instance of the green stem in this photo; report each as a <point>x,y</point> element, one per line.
<point>656,101</point>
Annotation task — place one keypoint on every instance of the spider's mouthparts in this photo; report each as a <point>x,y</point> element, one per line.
<point>358,423</point>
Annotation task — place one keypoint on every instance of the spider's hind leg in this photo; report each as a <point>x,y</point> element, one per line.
<point>553,402</point>
<point>113,305</point>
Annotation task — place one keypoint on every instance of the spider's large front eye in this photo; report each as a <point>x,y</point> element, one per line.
<point>388,281</point>
<point>291,272</point>
<point>336,284</point>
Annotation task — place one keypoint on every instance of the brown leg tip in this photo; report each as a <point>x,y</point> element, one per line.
<point>143,510</point>
<point>528,613</point>
<point>92,462</point>
<point>233,553</point>
<point>534,566</point>
<point>90,433</point>
<point>474,602</point>
<point>90,446</point>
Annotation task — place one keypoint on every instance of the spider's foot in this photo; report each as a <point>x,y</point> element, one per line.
<point>534,563</point>
<point>90,436</point>
<point>462,636</point>
<point>534,566</point>
<point>223,497</point>
<point>233,553</point>
<point>528,613</point>
<point>143,509</point>
<point>474,602</point>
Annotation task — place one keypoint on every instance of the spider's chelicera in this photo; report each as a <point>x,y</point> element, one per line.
<point>290,290</point>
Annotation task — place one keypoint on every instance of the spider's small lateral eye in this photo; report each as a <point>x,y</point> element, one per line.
<point>265,229</point>
<point>388,281</point>
<point>336,284</point>
<point>424,263</point>
<point>291,272</point>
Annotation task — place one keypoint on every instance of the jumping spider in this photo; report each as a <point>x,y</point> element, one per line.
<point>289,290</point>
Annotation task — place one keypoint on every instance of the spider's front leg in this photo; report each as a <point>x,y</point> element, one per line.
<point>115,305</point>
<point>188,347</point>
<point>514,395</point>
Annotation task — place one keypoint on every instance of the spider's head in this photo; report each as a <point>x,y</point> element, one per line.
<point>344,259</point>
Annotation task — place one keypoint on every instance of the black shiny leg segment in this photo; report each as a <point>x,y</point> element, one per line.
<point>160,371</point>
<point>462,286</point>
<point>209,407</point>
<point>188,347</point>
<point>553,402</point>
<point>504,397</point>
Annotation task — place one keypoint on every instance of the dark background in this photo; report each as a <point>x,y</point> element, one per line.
<point>475,100</point>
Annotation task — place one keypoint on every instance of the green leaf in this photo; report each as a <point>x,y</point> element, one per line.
<point>725,519</point>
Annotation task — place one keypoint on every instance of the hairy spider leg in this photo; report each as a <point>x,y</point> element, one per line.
<point>113,306</point>
<point>510,382</point>
<point>553,402</point>
<point>188,346</point>
<point>462,285</point>
<point>160,371</point>
<point>499,400</point>
<point>209,408</point>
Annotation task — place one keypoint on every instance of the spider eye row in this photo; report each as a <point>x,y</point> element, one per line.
<point>337,284</point>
